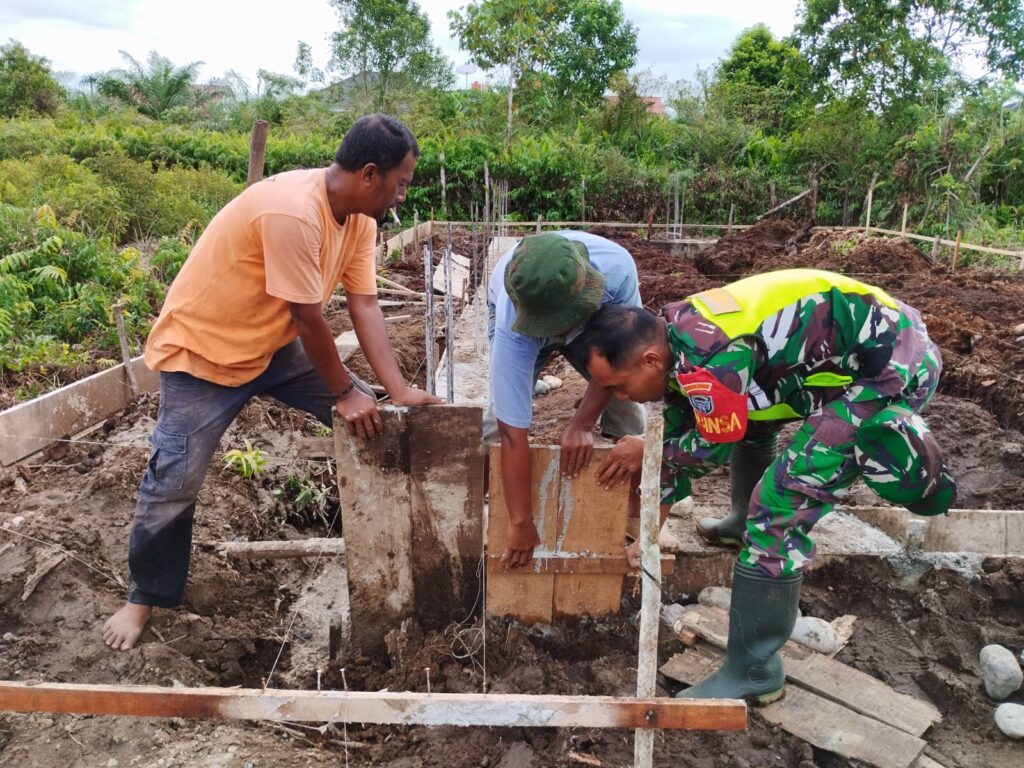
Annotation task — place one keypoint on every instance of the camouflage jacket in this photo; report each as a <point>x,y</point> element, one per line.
<point>790,341</point>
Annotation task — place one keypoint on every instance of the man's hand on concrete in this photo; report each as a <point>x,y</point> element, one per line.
<point>622,461</point>
<point>360,413</point>
<point>577,448</point>
<point>522,538</point>
<point>413,396</point>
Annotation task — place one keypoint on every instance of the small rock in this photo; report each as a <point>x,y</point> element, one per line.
<point>16,522</point>
<point>552,381</point>
<point>1000,671</point>
<point>111,763</point>
<point>718,597</point>
<point>9,637</point>
<point>1010,719</point>
<point>21,487</point>
<point>541,387</point>
<point>1018,329</point>
<point>816,634</point>
<point>232,749</point>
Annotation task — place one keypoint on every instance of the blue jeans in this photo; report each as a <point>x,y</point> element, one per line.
<point>193,416</point>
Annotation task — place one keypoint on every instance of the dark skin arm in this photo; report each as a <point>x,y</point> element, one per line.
<point>359,410</point>
<point>516,484</point>
<point>372,332</point>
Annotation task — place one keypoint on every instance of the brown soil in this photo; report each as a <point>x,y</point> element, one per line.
<point>920,626</point>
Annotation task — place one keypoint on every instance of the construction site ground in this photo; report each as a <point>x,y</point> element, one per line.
<point>919,628</point>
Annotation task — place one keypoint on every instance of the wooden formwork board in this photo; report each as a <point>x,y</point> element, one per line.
<point>30,427</point>
<point>384,707</point>
<point>412,512</point>
<point>574,516</point>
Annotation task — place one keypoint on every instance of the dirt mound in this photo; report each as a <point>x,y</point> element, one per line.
<point>850,253</point>
<point>754,249</point>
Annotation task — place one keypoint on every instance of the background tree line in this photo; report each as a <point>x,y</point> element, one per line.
<point>123,169</point>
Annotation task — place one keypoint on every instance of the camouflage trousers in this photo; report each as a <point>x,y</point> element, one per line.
<point>823,460</point>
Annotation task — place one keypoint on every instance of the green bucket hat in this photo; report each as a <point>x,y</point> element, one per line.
<point>901,461</point>
<point>552,285</point>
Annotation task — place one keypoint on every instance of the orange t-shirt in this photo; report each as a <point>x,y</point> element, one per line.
<point>227,313</point>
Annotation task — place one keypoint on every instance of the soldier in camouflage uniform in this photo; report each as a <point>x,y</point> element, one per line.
<point>853,363</point>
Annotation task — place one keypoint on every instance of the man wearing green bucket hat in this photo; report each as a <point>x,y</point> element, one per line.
<point>540,296</point>
<point>846,359</point>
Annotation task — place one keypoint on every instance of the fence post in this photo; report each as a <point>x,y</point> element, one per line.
<point>903,226</point>
<point>732,207</point>
<point>935,248</point>
<point>444,190</point>
<point>257,151</point>
<point>956,250</point>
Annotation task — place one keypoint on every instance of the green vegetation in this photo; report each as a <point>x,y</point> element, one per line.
<point>104,190</point>
<point>247,463</point>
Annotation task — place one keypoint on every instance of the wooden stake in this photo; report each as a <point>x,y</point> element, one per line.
<point>956,250</point>
<point>732,208</point>
<point>385,708</point>
<point>935,248</point>
<point>650,605</point>
<point>871,195</point>
<point>257,151</point>
<point>278,550</point>
<point>126,357</point>
<point>903,226</point>
<point>444,190</point>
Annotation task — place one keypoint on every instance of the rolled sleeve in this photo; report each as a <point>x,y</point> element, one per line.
<point>512,363</point>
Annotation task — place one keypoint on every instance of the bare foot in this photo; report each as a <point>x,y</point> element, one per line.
<point>123,628</point>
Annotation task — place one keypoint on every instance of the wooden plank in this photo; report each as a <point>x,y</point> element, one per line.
<point>373,486</point>
<point>545,562</point>
<point>590,519</point>
<point>385,708</point>
<point>446,472</point>
<point>277,550</point>
<point>827,677</point>
<point>813,718</point>
<point>951,243</point>
<point>30,427</point>
<point>529,598</point>
<point>650,605</point>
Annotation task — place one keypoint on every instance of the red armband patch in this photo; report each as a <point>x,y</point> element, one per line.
<point>721,414</point>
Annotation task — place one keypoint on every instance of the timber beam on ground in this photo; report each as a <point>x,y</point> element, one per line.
<point>383,708</point>
<point>279,550</point>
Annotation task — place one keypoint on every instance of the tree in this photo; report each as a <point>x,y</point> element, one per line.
<point>883,51</point>
<point>26,82</point>
<point>385,43</point>
<point>581,43</point>
<point>152,89</point>
<point>763,81</point>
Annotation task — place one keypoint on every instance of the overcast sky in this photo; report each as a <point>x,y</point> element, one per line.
<point>84,36</point>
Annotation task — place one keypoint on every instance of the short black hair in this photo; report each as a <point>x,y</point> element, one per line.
<point>618,331</point>
<point>379,139</point>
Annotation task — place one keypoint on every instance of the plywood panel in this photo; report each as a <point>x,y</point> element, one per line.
<point>529,597</point>
<point>446,467</point>
<point>593,520</point>
<point>373,485</point>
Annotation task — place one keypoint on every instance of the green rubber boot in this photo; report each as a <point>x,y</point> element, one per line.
<point>761,618</point>
<point>750,458</point>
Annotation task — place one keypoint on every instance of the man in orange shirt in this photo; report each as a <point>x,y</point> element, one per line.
<point>244,317</point>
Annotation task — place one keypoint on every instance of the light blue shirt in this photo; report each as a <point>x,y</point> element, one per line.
<point>514,355</point>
